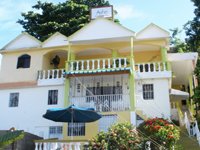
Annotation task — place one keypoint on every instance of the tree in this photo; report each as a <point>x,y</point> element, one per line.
<point>121,136</point>
<point>192,29</point>
<point>66,17</point>
<point>177,45</point>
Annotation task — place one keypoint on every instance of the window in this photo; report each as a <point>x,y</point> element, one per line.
<point>14,100</point>
<point>55,132</point>
<point>24,61</point>
<point>106,121</point>
<point>76,129</point>
<point>148,92</point>
<point>53,97</point>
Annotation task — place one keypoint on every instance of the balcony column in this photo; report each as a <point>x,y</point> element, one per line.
<point>132,78</point>
<point>164,58</point>
<point>67,88</point>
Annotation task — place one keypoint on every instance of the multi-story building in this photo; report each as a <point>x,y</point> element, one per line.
<point>126,76</point>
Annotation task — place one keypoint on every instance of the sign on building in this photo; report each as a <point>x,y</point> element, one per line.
<point>105,12</point>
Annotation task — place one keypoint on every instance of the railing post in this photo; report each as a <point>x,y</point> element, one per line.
<point>154,67</point>
<point>98,64</point>
<point>36,146</point>
<point>149,68</point>
<point>104,64</point>
<point>48,74</point>
<point>114,63</point>
<point>88,65</point>
<point>43,77</point>
<point>164,66</point>
<point>109,63</point>
<point>159,68</point>
<point>93,64</point>
<point>125,63</point>
<point>120,63</point>
<point>82,65</point>
<point>77,65</point>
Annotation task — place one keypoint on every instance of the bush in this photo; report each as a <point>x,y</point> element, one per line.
<point>161,131</point>
<point>121,136</point>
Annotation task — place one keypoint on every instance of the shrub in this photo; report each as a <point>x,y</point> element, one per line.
<point>121,136</point>
<point>161,131</point>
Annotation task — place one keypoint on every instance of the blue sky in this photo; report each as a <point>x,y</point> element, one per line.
<point>134,14</point>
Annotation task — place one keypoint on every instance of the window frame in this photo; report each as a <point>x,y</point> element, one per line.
<point>24,61</point>
<point>57,131</point>
<point>12,101</point>
<point>148,91</point>
<point>52,97</point>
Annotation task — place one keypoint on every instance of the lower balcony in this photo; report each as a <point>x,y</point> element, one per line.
<point>60,145</point>
<point>51,77</point>
<point>103,103</point>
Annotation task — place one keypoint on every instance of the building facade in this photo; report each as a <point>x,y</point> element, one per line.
<point>125,76</point>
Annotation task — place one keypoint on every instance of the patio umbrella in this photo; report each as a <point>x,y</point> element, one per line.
<point>72,114</point>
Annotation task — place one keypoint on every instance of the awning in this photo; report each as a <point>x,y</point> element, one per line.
<point>177,95</point>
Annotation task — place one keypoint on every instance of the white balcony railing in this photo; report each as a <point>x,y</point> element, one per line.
<point>59,145</point>
<point>151,67</point>
<point>99,64</point>
<point>103,103</point>
<point>50,74</point>
<point>51,77</point>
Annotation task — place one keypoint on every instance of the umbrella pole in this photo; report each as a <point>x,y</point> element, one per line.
<point>72,131</point>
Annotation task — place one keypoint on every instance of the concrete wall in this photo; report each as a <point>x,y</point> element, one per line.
<point>33,103</point>
<point>160,105</point>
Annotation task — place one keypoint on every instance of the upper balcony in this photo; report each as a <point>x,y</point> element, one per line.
<point>98,65</point>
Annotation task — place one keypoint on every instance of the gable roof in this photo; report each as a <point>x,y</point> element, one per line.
<point>152,31</point>
<point>100,29</point>
<point>57,39</point>
<point>24,40</point>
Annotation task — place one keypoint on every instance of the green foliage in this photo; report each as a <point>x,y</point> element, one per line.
<point>161,131</point>
<point>66,17</point>
<point>121,136</point>
<point>177,44</point>
<point>10,137</point>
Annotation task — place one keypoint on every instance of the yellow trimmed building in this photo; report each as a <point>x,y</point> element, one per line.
<point>125,76</point>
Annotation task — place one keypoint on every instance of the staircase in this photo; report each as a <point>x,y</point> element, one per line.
<point>186,142</point>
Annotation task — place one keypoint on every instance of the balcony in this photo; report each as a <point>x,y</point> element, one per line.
<point>103,103</point>
<point>152,70</point>
<point>98,65</point>
<point>51,77</point>
<point>59,145</point>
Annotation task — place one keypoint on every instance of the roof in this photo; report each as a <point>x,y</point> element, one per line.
<point>101,29</point>
<point>152,31</point>
<point>57,39</point>
<point>24,40</point>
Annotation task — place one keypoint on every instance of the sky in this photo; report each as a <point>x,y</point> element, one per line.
<point>133,14</point>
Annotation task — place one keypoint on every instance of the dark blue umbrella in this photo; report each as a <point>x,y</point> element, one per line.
<point>72,114</point>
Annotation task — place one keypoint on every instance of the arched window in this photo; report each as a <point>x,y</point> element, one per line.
<point>24,61</point>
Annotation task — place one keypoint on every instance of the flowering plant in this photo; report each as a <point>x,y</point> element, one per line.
<point>121,136</point>
<point>161,131</point>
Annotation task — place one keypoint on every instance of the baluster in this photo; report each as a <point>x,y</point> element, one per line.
<point>114,63</point>
<point>70,146</point>
<point>92,64</point>
<point>40,146</point>
<point>36,146</point>
<point>72,66</point>
<point>98,64</point>
<point>77,65</point>
<point>143,66</point>
<point>104,63</point>
<point>159,69</point>
<point>39,75</point>
<point>77,146</point>
<point>48,74</point>
<point>120,63</point>
<point>82,65</point>
<point>53,74</point>
<point>109,63</point>
<point>88,65</point>
<point>139,69</point>
<point>154,67</point>
<point>164,66</point>
<point>44,146</point>
<point>44,74</point>
<point>149,68</point>
<point>125,63</point>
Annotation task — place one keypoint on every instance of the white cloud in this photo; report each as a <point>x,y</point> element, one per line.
<point>128,12</point>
